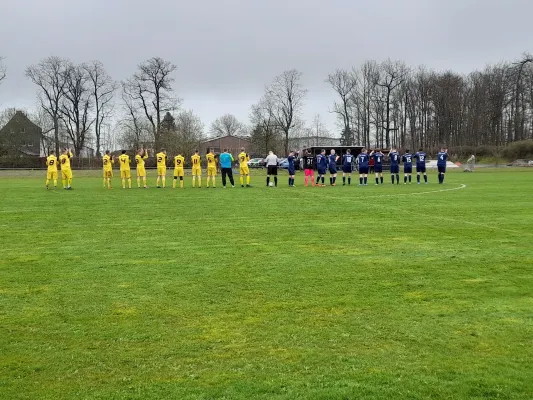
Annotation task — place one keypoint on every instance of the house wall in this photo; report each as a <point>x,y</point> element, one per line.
<point>20,135</point>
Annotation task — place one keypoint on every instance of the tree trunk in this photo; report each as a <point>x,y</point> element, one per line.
<point>56,135</point>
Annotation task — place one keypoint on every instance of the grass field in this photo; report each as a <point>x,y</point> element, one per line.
<point>389,292</point>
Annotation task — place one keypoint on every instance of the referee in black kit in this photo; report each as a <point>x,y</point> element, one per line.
<point>271,162</point>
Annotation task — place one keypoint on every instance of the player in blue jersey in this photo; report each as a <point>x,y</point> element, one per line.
<point>362,160</point>
<point>378,156</point>
<point>407,160</point>
<point>420,157</point>
<point>321,166</point>
<point>394,158</point>
<point>442,158</point>
<point>291,169</point>
<point>347,167</point>
<point>332,166</point>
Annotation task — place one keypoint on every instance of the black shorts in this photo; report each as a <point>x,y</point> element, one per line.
<point>378,168</point>
<point>420,167</point>
<point>321,171</point>
<point>292,171</point>
<point>347,169</point>
<point>272,170</point>
<point>441,168</point>
<point>333,170</point>
<point>363,170</point>
<point>394,169</point>
<point>408,169</point>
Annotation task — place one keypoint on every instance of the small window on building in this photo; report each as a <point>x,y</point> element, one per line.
<point>22,130</point>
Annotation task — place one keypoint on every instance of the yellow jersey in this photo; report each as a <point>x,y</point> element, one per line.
<point>51,162</point>
<point>161,160</point>
<point>243,159</point>
<point>211,161</point>
<point>196,161</point>
<point>64,160</point>
<point>179,161</point>
<point>139,160</point>
<point>124,162</point>
<point>108,162</point>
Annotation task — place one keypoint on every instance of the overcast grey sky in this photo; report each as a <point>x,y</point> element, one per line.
<point>227,50</point>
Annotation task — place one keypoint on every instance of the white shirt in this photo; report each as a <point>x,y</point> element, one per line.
<point>272,160</point>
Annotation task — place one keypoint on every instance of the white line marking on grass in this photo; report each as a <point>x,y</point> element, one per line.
<point>318,191</point>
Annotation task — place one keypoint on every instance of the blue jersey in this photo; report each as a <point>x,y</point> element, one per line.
<point>420,158</point>
<point>378,158</point>
<point>347,160</point>
<point>290,159</point>
<point>321,162</point>
<point>408,159</point>
<point>225,160</point>
<point>363,160</point>
<point>332,160</point>
<point>442,157</point>
<point>394,158</point>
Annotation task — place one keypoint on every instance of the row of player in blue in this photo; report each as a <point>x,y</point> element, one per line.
<point>329,163</point>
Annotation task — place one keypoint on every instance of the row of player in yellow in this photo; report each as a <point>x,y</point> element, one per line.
<point>125,170</point>
<point>66,172</point>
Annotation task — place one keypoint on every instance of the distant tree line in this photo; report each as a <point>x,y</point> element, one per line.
<point>391,104</point>
<point>376,105</point>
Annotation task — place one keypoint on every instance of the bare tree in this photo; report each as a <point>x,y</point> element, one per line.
<point>102,91</point>
<point>265,134</point>
<point>392,75</point>
<point>518,95</point>
<point>132,126</point>
<point>151,88</point>
<point>76,106</point>
<point>3,70</point>
<point>227,125</point>
<point>287,95</point>
<point>189,131</point>
<point>49,76</point>
<point>344,83</point>
<point>42,119</point>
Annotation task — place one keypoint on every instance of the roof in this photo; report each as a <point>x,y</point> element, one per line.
<point>18,118</point>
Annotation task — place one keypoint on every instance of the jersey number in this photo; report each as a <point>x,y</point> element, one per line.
<point>159,159</point>
<point>379,159</point>
<point>242,159</point>
<point>421,158</point>
<point>51,162</point>
<point>178,162</point>
<point>442,157</point>
<point>195,161</point>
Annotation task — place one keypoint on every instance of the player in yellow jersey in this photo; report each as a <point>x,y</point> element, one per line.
<point>141,156</point>
<point>179,162</point>
<point>196,162</point>
<point>161,159</point>
<point>245,171</point>
<point>125,170</point>
<point>107,162</point>
<point>211,167</point>
<point>51,173</point>
<point>66,172</point>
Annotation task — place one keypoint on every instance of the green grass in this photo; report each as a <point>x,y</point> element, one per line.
<point>389,292</point>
